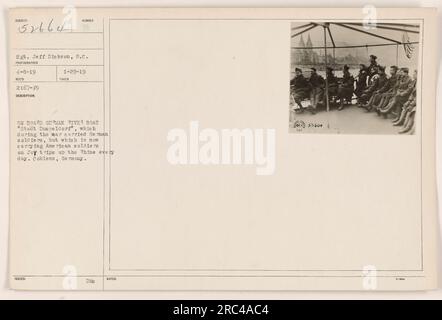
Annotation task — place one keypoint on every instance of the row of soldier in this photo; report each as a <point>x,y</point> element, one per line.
<point>372,88</point>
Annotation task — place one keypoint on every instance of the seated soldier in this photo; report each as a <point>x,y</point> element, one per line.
<point>387,96</point>
<point>372,68</point>
<point>378,94</point>
<point>317,84</point>
<point>346,87</point>
<point>299,89</point>
<point>332,84</point>
<point>409,107</point>
<point>404,90</point>
<point>376,82</point>
<point>361,80</point>
<point>409,122</point>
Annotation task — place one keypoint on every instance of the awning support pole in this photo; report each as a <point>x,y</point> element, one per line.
<point>325,60</point>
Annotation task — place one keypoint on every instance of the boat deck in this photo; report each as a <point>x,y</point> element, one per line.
<point>349,120</point>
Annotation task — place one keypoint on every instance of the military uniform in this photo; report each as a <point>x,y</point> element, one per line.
<point>372,68</point>
<point>317,84</point>
<point>380,93</point>
<point>387,96</point>
<point>408,114</point>
<point>376,82</point>
<point>408,107</point>
<point>300,89</point>
<point>361,82</point>
<point>404,89</point>
<point>332,82</point>
<point>346,88</point>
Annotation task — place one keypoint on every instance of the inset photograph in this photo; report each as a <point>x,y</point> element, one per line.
<point>354,78</point>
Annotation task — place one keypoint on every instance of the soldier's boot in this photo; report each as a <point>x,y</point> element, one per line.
<point>408,124</point>
<point>396,118</point>
<point>380,105</point>
<point>341,106</point>
<point>399,111</point>
<point>412,129</point>
<point>369,105</point>
<point>389,107</point>
<point>312,109</point>
<point>400,119</point>
<point>300,109</point>
<point>384,103</point>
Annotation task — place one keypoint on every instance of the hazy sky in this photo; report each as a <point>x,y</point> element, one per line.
<point>342,36</point>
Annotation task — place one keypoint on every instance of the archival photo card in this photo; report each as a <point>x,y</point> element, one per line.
<point>270,149</point>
